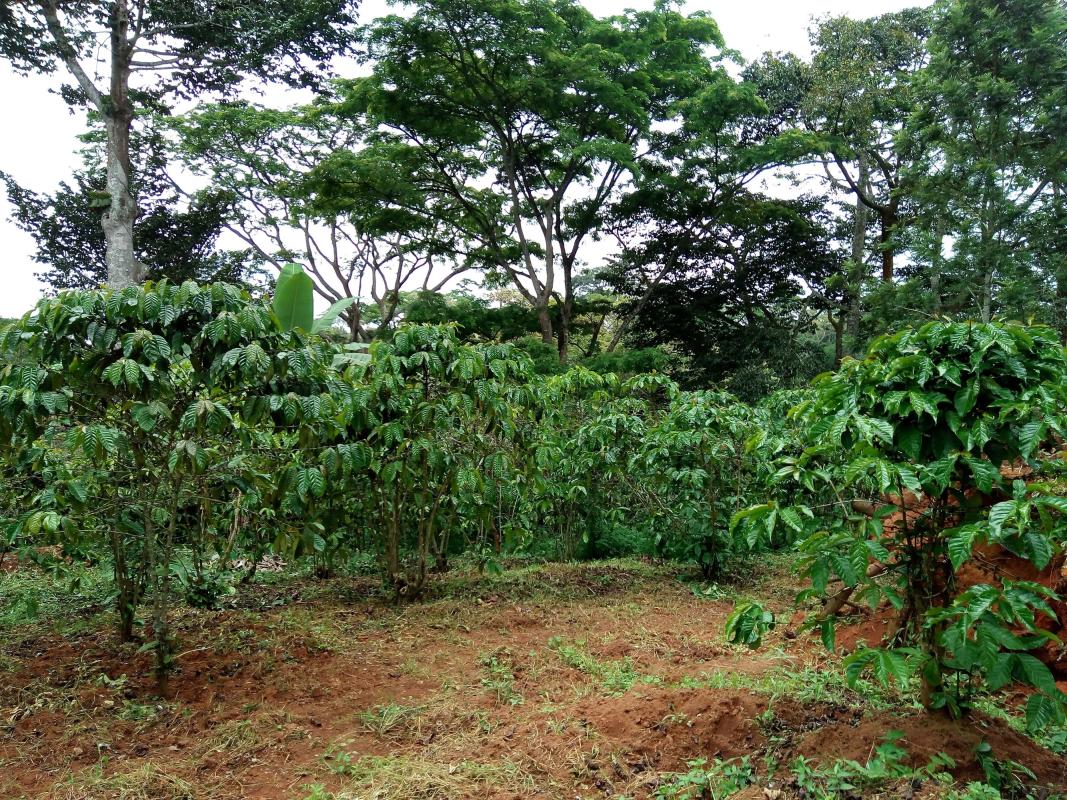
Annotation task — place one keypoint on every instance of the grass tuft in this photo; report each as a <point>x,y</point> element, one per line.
<point>146,782</point>
<point>397,777</point>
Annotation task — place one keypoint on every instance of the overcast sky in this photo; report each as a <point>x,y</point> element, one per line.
<point>39,150</point>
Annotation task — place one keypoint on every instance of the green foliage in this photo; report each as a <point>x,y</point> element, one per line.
<point>294,303</point>
<point>616,677</point>
<point>843,778</point>
<point>507,128</point>
<point>847,778</point>
<point>922,425</point>
<point>986,145</point>
<point>156,417</point>
<point>294,299</point>
<point>717,781</point>
<point>748,624</point>
<point>177,427</point>
<point>1006,776</point>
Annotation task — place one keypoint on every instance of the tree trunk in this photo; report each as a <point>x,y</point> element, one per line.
<point>857,268</point>
<point>594,338</point>
<point>566,311</point>
<point>355,328</point>
<point>888,219</point>
<point>987,295</point>
<point>838,325</point>
<point>1059,253</point>
<point>126,585</point>
<point>1061,301</point>
<point>635,311</point>
<point>936,259</point>
<point>123,268</point>
<point>544,319</point>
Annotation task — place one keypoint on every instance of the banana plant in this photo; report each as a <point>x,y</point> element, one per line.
<point>294,303</point>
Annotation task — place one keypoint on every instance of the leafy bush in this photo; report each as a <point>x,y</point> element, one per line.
<point>923,425</point>
<point>154,417</point>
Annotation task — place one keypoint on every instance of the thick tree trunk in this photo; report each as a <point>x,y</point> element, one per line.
<point>123,268</point>
<point>117,111</point>
<point>544,319</point>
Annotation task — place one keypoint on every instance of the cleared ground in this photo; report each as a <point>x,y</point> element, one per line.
<point>557,681</point>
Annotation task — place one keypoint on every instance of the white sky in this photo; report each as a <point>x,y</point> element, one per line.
<point>39,150</point>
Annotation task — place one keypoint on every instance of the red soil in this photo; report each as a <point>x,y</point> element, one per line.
<point>301,701</point>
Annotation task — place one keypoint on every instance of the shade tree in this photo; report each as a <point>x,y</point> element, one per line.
<point>264,161</point>
<point>514,124</point>
<point>171,50</point>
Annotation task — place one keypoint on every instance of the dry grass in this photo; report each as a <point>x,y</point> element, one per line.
<point>145,782</point>
<point>415,778</point>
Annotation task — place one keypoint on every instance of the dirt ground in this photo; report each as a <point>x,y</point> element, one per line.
<point>592,681</point>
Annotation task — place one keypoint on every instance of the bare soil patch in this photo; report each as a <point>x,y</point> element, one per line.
<point>563,682</point>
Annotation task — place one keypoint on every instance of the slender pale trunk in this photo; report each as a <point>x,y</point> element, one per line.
<point>1061,301</point>
<point>1059,252</point>
<point>987,295</point>
<point>988,261</point>
<point>888,219</point>
<point>988,256</point>
<point>936,260</point>
<point>123,268</point>
<point>857,269</point>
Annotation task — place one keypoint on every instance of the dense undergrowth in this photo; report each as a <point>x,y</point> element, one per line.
<point>185,438</point>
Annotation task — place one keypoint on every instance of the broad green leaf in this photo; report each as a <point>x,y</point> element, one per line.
<point>330,315</point>
<point>294,301</point>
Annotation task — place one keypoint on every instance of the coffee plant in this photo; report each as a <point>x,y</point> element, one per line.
<point>175,431</point>
<point>911,444</point>
<point>152,417</point>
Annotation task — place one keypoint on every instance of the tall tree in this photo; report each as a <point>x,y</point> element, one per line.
<point>859,94</point>
<point>696,182</point>
<point>991,128</point>
<point>744,292</point>
<point>516,122</point>
<point>177,238</point>
<point>266,161</point>
<point>179,48</point>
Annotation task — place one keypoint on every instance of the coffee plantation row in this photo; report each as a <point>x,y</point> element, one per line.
<point>181,434</point>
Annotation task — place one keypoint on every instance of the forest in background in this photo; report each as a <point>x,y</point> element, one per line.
<point>621,192</point>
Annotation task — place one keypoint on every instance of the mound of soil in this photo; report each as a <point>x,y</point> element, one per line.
<point>925,735</point>
<point>664,728</point>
